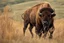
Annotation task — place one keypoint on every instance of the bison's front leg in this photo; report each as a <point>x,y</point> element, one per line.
<point>51,32</point>
<point>38,31</point>
<point>45,33</point>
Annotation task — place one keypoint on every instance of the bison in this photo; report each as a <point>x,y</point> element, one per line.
<point>42,17</point>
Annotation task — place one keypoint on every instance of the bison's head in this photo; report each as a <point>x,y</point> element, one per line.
<point>46,14</point>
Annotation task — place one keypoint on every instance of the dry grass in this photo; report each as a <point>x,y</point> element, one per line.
<point>12,31</point>
<point>6,29</point>
<point>17,35</point>
<point>58,34</point>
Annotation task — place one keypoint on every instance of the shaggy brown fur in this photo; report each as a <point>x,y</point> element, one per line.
<point>31,16</point>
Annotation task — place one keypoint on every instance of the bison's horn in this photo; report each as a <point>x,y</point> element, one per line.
<point>53,14</point>
<point>40,14</point>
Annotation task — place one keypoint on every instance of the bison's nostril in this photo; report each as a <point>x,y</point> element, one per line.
<point>45,22</point>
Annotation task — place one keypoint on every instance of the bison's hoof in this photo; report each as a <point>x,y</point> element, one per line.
<point>44,37</point>
<point>50,37</point>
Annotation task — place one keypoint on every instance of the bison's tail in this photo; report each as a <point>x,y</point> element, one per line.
<point>22,16</point>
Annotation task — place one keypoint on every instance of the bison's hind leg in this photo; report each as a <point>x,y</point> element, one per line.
<point>25,27</point>
<point>30,29</point>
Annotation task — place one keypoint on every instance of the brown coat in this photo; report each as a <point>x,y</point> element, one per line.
<point>31,16</point>
<point>33,12</point>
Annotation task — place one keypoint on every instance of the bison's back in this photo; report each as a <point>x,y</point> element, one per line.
<point>30,14</point>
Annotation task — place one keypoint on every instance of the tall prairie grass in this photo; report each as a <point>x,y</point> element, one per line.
<point>12,31</point>
<point>6,29</point>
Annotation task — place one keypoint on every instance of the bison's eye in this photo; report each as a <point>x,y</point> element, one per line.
<point>43,15</point>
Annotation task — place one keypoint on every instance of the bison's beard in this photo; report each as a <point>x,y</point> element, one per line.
<point>45,26</point>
